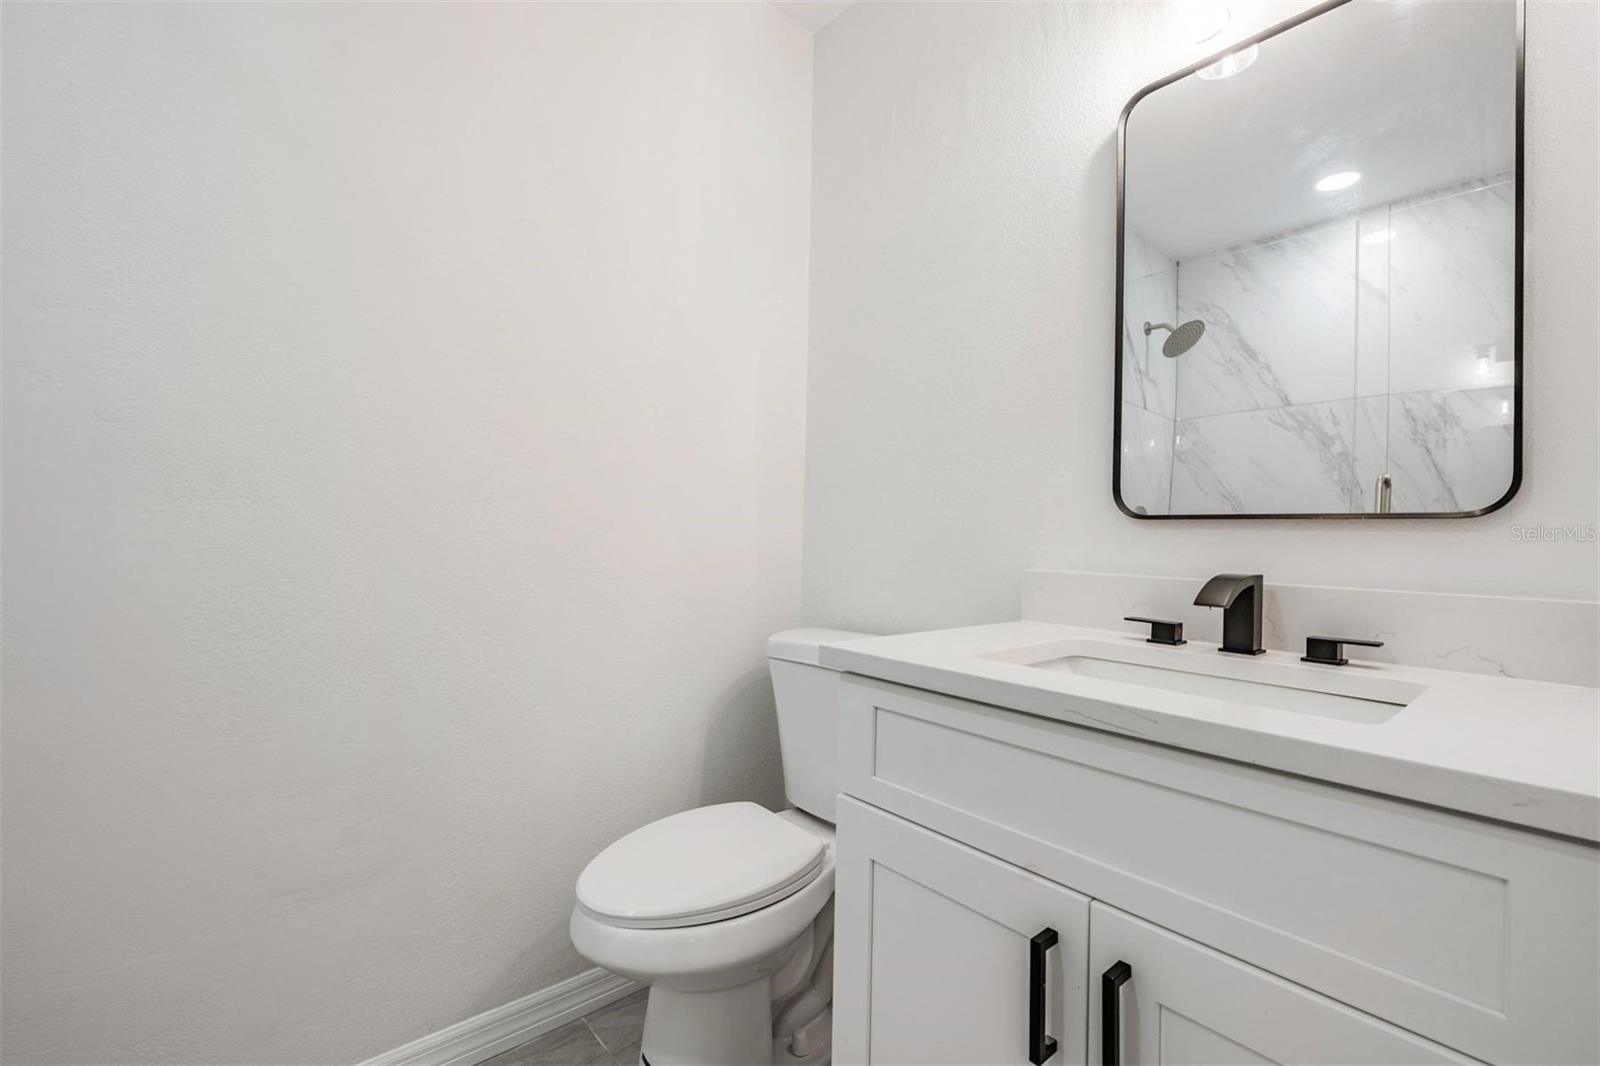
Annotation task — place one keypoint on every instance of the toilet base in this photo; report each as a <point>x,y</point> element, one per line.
<point>728,1027</point>
<point>811,1047</point>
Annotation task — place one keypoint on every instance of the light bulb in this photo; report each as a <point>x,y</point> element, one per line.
<point>1230,64</point>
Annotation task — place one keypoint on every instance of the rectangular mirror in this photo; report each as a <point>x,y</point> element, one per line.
<point>1319,253</point>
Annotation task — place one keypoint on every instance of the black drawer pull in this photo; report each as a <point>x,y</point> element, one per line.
<point>1040,1044</point>
<point>1111,983</point>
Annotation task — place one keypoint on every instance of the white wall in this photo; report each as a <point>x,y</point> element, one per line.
<point>963,289</point>
<point>403,446</point>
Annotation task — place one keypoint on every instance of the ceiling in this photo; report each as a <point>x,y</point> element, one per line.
<point>812,14</point>
<point>1414,95</point>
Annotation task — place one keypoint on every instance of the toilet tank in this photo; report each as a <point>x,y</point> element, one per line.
<point>807,695</point>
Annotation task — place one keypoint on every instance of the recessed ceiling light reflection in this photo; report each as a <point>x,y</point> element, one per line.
<point>1342,180</point>
<point>1230,64</point>
<point>1382,236</point>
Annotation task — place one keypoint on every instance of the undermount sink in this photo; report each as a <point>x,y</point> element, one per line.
<point>1353,697</point>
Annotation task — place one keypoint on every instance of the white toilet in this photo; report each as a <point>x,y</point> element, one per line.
<point>726,912</point>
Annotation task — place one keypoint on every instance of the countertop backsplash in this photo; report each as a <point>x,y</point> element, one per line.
<point>1508,636</point>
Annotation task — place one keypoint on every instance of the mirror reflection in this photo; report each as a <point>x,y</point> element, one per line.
<point>1319,250</point>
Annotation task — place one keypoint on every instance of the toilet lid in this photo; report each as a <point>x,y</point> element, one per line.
<point>704,865</point>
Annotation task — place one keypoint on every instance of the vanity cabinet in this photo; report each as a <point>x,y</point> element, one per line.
<point>1264,917</point>
<point>1180,1002</point>
<point>941,943</point>
<point>937,940</point>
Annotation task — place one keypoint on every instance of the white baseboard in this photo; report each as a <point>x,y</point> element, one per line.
<point>485,1035</point>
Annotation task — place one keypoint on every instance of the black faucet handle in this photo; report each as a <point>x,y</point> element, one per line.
<point>1162,631</point>
<point>1329,651</point>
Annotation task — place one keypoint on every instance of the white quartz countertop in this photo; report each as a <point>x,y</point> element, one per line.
<point>1522,752</point>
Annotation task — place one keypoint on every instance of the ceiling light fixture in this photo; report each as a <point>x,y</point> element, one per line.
<point>1230,64</point>
<point>1342,180</point>
<point>1382,236</point>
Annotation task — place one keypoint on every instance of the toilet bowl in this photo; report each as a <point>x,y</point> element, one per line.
<point>726,911</point>
<point>739,934</point>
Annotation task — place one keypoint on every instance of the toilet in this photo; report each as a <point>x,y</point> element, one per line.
<point>726,911</point>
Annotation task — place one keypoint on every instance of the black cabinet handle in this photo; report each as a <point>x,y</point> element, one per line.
<point>1111,983</point>
<point>1040,1045</point>
<point>1162,630</point>
<point>1329,651</point>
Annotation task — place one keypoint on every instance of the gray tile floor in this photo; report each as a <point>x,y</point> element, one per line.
<point>608,1037</point>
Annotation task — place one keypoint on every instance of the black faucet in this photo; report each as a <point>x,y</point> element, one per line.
<point>1239,596</point>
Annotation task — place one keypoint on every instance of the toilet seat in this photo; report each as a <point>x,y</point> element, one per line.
<point>700,866</point>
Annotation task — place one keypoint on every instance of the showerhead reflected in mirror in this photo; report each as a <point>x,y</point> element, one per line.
<point>1324,240</point>
<point>1179,339</point>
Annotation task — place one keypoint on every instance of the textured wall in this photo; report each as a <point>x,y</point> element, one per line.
<point>963,304</point>
<point>403,447</point>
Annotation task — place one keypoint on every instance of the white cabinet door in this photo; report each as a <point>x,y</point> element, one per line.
<point>1181,1002</point>
<point>1476,935</point>
<point>934,946</point>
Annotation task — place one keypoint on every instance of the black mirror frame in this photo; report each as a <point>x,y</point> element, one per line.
<point>1517,320</point>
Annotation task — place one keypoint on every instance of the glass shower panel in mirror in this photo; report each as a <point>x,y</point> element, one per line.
<point>1319,254</point>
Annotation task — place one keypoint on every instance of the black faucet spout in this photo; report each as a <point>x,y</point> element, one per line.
<point>1241,598</point>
